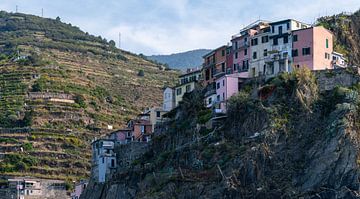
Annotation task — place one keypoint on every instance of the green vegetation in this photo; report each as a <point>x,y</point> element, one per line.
<point>51,58</point>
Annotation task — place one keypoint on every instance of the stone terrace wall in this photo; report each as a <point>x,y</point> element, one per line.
<point>329,79</point>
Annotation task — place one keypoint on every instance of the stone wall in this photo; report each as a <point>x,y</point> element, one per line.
<point>126,154</point>
<point>329,79</point>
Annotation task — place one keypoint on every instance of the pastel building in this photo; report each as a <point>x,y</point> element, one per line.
<point>214,62</point>
<point>142,129</point>
<point>280,54</point>
<point>312,48</point>
<point>259,48</point>
<point>103,159</point>
<point>226,86</point>
<point>79,188</point>
<point>122,136</point>
<point>338,60</point>
<point>187,83</point>
<point>155,115</point>
<point>241,52</point>
<point>168,99</point>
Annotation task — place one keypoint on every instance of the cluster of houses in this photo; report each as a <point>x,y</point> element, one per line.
<point>26,188</point>
<point>139,130</point>
<point>262,49</point>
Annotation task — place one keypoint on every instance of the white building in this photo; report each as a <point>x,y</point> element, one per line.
<point>280,54</point>
<point>338,60</point>
<point>168,99</point>
<point>103,159</point>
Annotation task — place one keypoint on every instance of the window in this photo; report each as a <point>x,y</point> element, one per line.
<point>306,51</point>
<point>223,82</point>
<point>103,160</point>
<point>236,45</point>
<point>244,65</point>
<point>265,52</point>
<point>112,163</point>
<point>178,91</point>
<point>223,96</point>
<point>264,39</point>
<point>254,42</point>
<point>327,43</point>
<point>142,129</point>
<point>275,41</point>
<point>288,26</point>
<point>297,24</point>
<point>245,39</point>
<point>234,66</point>
<point>245,51</point>
<point>286,39</point>
<point>223,53</point>
<point>327,56</point>
<point>295,53</point>
<point>295,38</point>
<point>236,55</point>
<point>158,114</point>
<point>207,74</point>
<point>223,67</point>
<point>188,88</point>
<point>210,100</point>
<point>254,55</point>
<point>272,29</point>
<point>280,30</point>
<point>218,85</point>
<point>218,98</point>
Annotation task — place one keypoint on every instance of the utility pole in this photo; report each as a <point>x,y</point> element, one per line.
<point>42,12</point>
<point>16,8</point>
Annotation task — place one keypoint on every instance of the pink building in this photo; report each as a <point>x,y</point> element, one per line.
<point>79,188</point>
<point>241,53</point>
<point>226,86</point>
<point>312,48</point>
<point>121,136</point>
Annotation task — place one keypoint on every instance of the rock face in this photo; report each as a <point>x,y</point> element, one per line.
<point>300,142</point>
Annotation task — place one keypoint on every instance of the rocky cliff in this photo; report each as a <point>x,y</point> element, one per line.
<point>296,136</point>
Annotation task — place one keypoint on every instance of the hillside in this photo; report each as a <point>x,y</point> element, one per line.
<point>346,28</point>
<point>60,88</point>
<point>182,61</point>
<point>297,137</point>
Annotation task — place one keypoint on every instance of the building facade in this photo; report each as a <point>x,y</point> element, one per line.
<point>168,99</point>
<point>103,159</point>
<point>187,83</point>
<point>313,48</point>
<point>214,62</point>
<point>226,87</point>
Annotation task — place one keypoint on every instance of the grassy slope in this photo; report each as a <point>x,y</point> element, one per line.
<point>104,80</point>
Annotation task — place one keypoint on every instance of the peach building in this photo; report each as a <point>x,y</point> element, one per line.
<point>312,48</point>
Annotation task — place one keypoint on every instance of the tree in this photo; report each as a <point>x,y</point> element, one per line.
<point>58,18</point>
<point>112,43</point>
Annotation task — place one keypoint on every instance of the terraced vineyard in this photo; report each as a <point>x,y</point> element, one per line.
<point>59,89</point>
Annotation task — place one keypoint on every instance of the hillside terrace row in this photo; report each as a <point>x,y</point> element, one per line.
<point>262,49</point>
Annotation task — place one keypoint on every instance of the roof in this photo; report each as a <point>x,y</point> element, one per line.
<point>312,27</point>
<point>213,51</point>
<point>286,20</point>
<point>189,73</point>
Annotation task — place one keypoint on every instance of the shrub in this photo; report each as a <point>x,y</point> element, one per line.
<point>141,73</point>
<point>79,99</point>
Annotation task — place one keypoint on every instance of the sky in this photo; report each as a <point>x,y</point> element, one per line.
<point>171,26</point>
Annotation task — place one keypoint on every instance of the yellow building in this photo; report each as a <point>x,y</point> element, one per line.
<point>187,83</point>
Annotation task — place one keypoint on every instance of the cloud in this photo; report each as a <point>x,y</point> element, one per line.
<point>163,26</point>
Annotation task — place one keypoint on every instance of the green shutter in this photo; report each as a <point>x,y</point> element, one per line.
<point>327,43</point>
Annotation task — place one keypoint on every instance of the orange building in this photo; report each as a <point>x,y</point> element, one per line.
<point>214,62</point>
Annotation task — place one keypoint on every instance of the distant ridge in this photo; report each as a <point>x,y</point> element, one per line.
<point>181,61</point>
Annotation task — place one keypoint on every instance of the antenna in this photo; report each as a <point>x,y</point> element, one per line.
<point>42,12</point>
<point>119,40</point>
<point>16,8</point>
